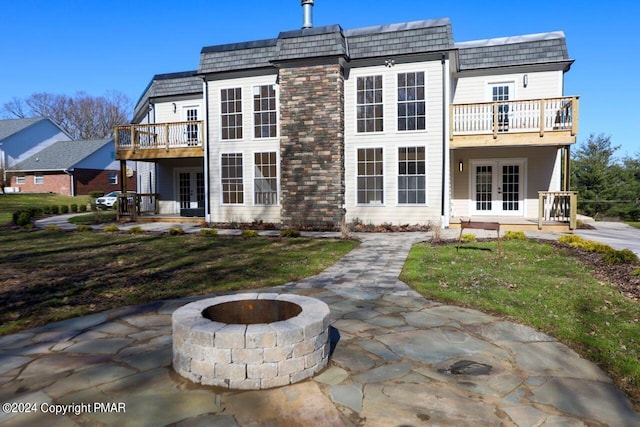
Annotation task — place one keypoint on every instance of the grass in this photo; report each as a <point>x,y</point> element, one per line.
<point>634,224</point>
<point>96,217</point>
<point>12,202</point>
<point>50,275</point>
<point>539,285</point>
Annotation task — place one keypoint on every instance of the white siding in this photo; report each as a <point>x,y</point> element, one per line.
<point>431,138</point>
<point>248,145</point>
<point>545,84</point>
<point>164,110</point>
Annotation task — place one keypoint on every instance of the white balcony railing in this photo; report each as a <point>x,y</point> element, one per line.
<point>159,136</point>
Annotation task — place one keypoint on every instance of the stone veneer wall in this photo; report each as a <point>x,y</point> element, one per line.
<point>312,146</point>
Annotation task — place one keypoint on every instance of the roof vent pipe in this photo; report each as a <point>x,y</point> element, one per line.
<point>307,13</point>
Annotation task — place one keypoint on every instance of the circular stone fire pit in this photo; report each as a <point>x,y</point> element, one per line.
<point>251,341</point>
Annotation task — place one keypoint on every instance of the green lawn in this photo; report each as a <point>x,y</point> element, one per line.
<point>12,202</point>
<point>53,275</point>
<point>634,224</point>
<point>539,285</point>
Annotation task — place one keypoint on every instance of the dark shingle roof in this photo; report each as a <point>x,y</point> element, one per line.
<point>311,43</point>
<point>171,84</point>
<point>237,56</point>
<point>61,155</point>
<point>509,51</point>
<point>400,39</point>
<point>11,126</point>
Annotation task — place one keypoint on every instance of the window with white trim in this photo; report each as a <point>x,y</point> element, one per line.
<point>192,129</point>
<point>266,179</point>
<point>369,106</point>
<point>264,112</point>
<point>412,113</point>
<point>232,179</point>
<point>411,175</point>
<point>21,180</point>
<point>370,176</point>
<point>113,178</point>
<point>231,113</point>
<point>38,179</point>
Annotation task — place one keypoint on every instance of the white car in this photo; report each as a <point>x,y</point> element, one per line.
<point>108,200</point>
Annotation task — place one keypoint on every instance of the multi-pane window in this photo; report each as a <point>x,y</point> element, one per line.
<point>370,176</point>
<point>21,180</point>
<point>266,179</point>
<point>193,130</point>
<point>501,93</point>
<point>113,178</point>
<point>411,175</point>
<point>232,183</point>
<point>38,179</point>
<point>369,104</point>
<point>411,101</point>
<point>231,113</point>
<point>264,112</point>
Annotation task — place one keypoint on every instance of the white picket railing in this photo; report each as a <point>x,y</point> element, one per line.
<point>159,135</point>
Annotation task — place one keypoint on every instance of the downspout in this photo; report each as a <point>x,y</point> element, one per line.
<point>444,142</point>
<point>207,201</point>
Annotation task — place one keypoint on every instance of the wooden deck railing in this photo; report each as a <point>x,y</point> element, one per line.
<point>535,115</point>
<point>557,206</point>
<point>159,136</point>
<point>131,205</point>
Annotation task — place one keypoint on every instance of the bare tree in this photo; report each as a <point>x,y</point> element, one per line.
<point>81,116</point>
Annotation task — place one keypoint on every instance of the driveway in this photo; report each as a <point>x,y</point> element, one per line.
<point>615,234</point>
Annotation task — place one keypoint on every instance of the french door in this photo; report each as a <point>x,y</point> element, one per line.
<point>497,187</point>
<point>190,185</point>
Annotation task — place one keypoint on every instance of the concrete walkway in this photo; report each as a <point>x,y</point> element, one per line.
<point>399,361</point>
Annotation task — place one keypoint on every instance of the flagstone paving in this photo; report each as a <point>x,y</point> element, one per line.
<point>393,364</point>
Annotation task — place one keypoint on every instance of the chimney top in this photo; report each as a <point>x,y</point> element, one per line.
<point>307,13</point>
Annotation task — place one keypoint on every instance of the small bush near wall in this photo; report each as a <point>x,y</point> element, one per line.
<point>175,231</point>
<point>514,235</point>
<point>110,228</point>
<point>209,232</point>
<point>64,209</point>
<point>136,230</point>
<point>82,208</point>
<point>290,232</point>
<point>74,207</point>
<point>249,233</point>
<point>55,210</point>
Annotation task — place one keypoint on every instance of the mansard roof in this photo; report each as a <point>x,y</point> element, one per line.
<point>170,84</point>
<point>531,49</point>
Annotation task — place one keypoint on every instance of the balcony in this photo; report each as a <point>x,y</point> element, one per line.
<point>160,141</point>
<point>550,121</point>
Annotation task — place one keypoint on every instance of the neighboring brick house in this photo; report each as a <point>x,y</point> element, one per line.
<point>390,124</point>
<point>21,138</point>
<point>72,168</point>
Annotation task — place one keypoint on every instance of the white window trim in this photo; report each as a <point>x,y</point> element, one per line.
<point>254,177</point>
<point>253,117</point>
<point>243,90</point>
<point>21,180</point>
<point>524,175</point>
<point>35,179</point>
<point>355,104</point>
<point>384,177</point>
<point>113,174</point>
<point>244,187</point>
<point>490,84</point>
<point>426,177</point>
<point>426,103</point>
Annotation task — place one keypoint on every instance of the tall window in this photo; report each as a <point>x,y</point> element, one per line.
<point>266,179</point>
<point>232,183</point>
<point>38,179</point>
<point>193,130</point>
<point>370,176</point>
<point>264,112</point>
<point>369,104</point>
<point>113,178</point>
<point>231,113</point>
<point>411,175</point>
<point>501,93</point>
<point>411,101</point>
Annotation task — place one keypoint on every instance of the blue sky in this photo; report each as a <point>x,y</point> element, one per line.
<point>67,46</point>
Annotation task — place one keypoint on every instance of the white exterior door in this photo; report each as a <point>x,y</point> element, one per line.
<point>497,187</point>
<point>190,186</point>
<point>192,131</point>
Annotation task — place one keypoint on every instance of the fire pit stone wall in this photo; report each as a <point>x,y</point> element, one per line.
<point>251,356</point>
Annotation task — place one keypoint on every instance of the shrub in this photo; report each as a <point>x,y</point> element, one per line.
<point>636,272</point>
<point>52,228</point>
<point>84,228</point>
<point>135,230</point>
<point>209,232</point>
<point>625,256</point>
<point>110,228</point>
<point>514,235</point>
<point>22,217</point>
<point>249,233</point>
<point>83,208</point>
<point>468,237</point>
<point>64,209</point>
<point>55,210</point>
<point>46,210</point>
<point>570,239</point>
<point>290,232</point>
<point>74,207</point>
<point>176,231</point>
<point>95,194</point>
